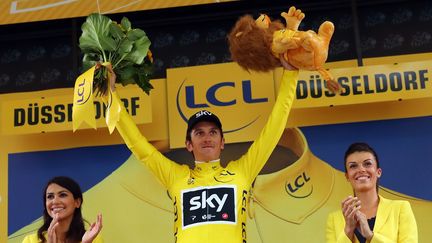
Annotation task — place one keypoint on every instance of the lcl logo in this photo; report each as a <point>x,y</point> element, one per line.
<point>212,99</point>
<point>83,93</point>
<point>294,188</point>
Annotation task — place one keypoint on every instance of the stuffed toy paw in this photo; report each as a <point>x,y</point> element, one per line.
<point>256,44</point>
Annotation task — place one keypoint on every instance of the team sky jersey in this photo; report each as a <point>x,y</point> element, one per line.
<point>210,201</point>
<point>288,204</point>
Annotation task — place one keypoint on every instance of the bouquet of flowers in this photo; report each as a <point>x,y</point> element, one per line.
<point>104,41</point>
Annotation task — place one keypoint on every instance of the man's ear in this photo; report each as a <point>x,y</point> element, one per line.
<point>189,145</point>
<point>223,143</point>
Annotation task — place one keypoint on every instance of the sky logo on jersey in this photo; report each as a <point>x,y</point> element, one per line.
<point>209,205</point>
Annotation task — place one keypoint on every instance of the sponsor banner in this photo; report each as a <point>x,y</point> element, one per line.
<point>242,100</point>
<point>21,11</point>
<point>427,56</point>
<point>360,112</point>
<point>49,111</point>
<point>391,91</point>
<point>368,84</point>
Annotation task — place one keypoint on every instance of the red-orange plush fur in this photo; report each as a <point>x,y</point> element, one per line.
<point>258,44</point>
<point>252,48</point>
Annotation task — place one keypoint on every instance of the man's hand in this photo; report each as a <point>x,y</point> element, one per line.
<point>112,77</point>
<point>285,64</point>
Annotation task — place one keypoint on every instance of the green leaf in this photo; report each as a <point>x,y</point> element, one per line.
<point>103,40</point>
<point>96,35</point>
<point>126,24</point>
<point>127,75</point>
<point>116,31</point>
<point>135,34</point>
<point>87,65</point>
<point>143,80</point>
<point>89,60</point>
<point>144,84</point>
<point>125,47</point>
<point>92,57</point>
<point>139,51</point>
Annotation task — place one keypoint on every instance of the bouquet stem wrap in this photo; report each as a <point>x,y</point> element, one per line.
<point>83,107</point>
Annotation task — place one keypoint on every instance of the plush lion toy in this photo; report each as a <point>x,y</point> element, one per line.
<point>258,44</point>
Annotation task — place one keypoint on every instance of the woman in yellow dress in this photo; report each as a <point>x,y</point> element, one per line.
<point>367,216</point>
<point>62,218</point>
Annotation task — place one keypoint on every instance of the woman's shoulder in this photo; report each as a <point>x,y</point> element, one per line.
<point>335,214</point>
<point>388,200</point>
<point>395,202</point>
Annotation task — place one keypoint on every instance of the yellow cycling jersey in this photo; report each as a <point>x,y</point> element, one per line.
<point>292,197</point>
<point>210,201</point>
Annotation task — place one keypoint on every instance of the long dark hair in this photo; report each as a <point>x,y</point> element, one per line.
<point>76,228</point>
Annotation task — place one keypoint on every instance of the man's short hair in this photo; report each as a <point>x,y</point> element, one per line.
<point>200,116</point>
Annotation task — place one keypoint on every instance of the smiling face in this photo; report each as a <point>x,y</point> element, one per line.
<point>362,171</point>
<point>60,200</point>
<point>206,142</point>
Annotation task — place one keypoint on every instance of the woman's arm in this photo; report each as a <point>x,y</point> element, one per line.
<point>335,229</point>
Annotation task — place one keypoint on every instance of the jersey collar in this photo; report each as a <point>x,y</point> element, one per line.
<point>295,192</point>
<point>207,167</point>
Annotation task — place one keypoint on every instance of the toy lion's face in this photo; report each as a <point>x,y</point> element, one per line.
<point>250,45</point>
<point>259,44</point>
<point>256,44</point>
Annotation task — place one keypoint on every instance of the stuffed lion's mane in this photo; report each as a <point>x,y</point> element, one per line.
<point>258,44</point>
<point>254,38</point>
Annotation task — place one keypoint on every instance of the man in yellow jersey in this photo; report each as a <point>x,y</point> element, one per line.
<point>292,197</point>
<point>209,200</point>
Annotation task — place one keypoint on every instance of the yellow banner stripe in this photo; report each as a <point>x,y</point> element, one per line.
<point>20,11</point>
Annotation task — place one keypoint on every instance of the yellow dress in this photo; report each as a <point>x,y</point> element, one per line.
<point>33,238</point>
<point>395,222</point>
